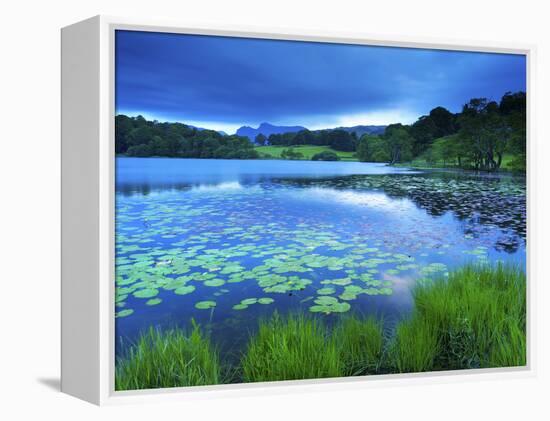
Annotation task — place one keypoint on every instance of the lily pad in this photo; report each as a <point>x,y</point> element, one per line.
<point>187,289</point>
<point>265,300</point>
<point>325,300</point>
<point>205,305</point>
<point>249,301</point>
<point>146,293</point>
<point>214,282</point>
<point>124,313</point>
<point>341,281</point>
<point>154,301</point>
<point>332,307</point>
<point>347,296</point>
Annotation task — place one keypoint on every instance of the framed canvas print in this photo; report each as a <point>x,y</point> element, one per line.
<point>249,209</point>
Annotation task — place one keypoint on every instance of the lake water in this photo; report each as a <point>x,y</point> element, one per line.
<point>207,239</point>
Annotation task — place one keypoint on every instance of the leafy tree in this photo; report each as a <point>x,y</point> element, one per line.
<point>341,140</point>
<point>381,155</point>
<point>123,126</point>
<point>399,143</point>
<point>261,140</point>
<point>140,135</point>
<point>364,149</point>
<point>142,150</point>
<point>480,134</point>
<point>304,137</point>
<point>372,148</point>
<point>513,107</point>
<point>423,132</point>
<point>443,120</point>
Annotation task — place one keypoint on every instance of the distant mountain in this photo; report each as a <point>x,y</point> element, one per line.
<point>266,129</point>
<point>361,130</point>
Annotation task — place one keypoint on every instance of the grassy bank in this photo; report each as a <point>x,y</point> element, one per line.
<point>306,150</point>
<point>473,319</point>
<point>476,319</point>
<point>508,164</point>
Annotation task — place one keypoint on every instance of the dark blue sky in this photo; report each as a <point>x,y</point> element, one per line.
<point>223,83</point>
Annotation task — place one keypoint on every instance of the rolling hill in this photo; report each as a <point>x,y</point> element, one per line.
<point>266,129</point>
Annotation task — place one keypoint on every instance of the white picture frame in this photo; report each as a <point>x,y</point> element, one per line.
<point>88,213</point>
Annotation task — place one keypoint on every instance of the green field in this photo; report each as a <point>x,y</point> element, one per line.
<point>307,150</point>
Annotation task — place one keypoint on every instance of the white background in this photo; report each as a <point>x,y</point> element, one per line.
<point>29,212</point>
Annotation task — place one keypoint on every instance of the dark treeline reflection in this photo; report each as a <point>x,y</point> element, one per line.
<point>144,188</point>
<point>478,201</point>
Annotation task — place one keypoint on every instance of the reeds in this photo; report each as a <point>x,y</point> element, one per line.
<point>291,348</point>
<point>478,316</point>
<point>168,359</point>
<point>361,345</point>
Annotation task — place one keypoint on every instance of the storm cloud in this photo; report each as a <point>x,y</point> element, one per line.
<point>228,81</point>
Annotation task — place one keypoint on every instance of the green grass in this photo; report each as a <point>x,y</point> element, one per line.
<point>475,318</point>
<point>168,359</point>
<point>303,347</point>
<point>361,343</point>
<point>291,348</point>
<point>414,348</point>
<point>306,150</point>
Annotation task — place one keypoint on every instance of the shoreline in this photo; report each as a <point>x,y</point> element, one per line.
<point>404,166</point>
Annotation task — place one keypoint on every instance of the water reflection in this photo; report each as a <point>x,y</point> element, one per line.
<point>142,175</point>
<point>479,201</point>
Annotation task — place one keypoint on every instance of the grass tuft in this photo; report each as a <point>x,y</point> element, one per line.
<point>361,344</point>
<point>168,359</point>
<point>291,348</point>
<point>415,347</point>
<point>477,317</point>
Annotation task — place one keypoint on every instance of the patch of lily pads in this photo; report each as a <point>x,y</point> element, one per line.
<point>328,305</point>
<point>184,244</point>
<point>244,304</point>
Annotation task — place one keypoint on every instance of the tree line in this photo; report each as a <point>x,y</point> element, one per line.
<point>477,138</point>
<point>337,139</point>
<point>138,137</point>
